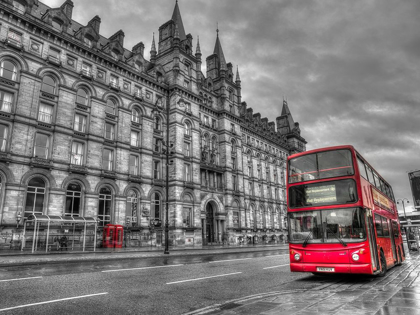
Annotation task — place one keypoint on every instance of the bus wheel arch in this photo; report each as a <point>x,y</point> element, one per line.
<point>382,259</point>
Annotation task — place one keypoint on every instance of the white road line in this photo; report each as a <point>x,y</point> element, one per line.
<point>197,279</point>
<point>216,261</point>
<point>17,279</point>
<point>142,268</point>
<point>276,266</point>
<point>52,301</point>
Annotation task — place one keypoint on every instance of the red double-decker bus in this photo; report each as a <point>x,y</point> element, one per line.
<point>342,216</point>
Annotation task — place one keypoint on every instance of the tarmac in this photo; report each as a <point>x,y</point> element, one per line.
<point>396,293</point>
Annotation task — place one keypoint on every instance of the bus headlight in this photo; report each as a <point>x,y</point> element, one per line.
<point>355,257</point>
<point>297,256</point>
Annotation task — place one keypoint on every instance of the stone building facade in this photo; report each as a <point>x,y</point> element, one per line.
<point>83,131</point>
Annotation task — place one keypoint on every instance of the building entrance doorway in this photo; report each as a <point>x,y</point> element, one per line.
<point>210,224</point>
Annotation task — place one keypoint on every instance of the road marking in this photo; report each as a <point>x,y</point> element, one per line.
<point>142,268</point>
<point>197,279</point>
<point>17,279</point>
<point>216,261</point>
<point>52,301</point>
<point>276,266</point>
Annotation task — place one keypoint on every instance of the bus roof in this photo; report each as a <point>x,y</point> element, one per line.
<point>338,147</point>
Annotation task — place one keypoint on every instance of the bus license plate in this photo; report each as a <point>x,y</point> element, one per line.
<point>324,269</point>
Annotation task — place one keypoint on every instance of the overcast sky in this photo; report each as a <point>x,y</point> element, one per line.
<point>350,70</point>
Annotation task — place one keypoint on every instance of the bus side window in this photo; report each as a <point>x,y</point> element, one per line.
<point>378,225</point>
<point>362,169</point>
<point>385,227</point>
<point>370,175</point>
<point>377,183</point>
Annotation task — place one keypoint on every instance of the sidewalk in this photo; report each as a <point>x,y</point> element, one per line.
<point>397,293</point>
<point>17,258</point>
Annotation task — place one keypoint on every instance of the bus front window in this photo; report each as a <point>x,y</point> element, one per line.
<point>320,165</point>
<point>327,226</point>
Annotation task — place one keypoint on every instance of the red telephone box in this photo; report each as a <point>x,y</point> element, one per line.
<point>113,236</point>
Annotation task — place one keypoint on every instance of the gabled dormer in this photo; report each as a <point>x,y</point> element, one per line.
<point>89,34</point>
<point>137,60</point>
<point>59,18</point>
<point>115,46</point>
<point>22,6</point>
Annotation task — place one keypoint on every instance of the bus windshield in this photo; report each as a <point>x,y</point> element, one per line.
<point>323,193</point>
<point>327,226</point>
<point>320,165</point>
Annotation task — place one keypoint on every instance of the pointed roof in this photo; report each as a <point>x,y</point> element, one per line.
<point>153,48</point>
<point>219,52</point>
<point>286,112</point>
<point>176,17</point>
<point>197,49</point>
<point>238,79</point>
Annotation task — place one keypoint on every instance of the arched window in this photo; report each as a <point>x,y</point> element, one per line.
<point>8,70</point>
<point>110,106</point>
<point>82,97</point>
<point>158,123</point>
<point>187,128</point>
<point>132,207</point>
<point>19,7</point>
<point>57,24</point>
<point>213,143</point>
<point>206,140</point>
<point>73,200</point>
<point>135,115</point>
<point>156,206</point>
<point>88,41</point>
<point>235,215</point>
<point>105,206</point>
<point>251,216</point>
<point>259,219</point>
<point>48,85</point>
<point>233,142</point>
<point>35,196</point>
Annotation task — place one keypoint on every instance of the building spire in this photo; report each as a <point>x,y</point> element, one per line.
<point>238,79</point>
<point>153,51</point>
<point>219,51</point>
<point>176,17</point>
<point>153,48</point>
<point>197,49</point>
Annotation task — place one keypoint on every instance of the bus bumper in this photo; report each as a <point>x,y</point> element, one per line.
<point>338,268</point>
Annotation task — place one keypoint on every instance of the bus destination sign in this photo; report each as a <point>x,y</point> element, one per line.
<point>321,194</point>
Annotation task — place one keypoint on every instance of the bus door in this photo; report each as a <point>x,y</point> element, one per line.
<point>372,239</point>
<point>394,247</point>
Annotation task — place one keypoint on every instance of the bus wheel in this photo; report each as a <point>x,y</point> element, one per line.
<point>399,262</point>
<point>383,266</point>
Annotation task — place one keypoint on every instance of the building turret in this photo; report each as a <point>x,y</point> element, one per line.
<point>198,56</point>
<point>153,51</point>
<point>238,83</point>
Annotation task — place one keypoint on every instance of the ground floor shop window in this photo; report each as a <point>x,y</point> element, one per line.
<point>105,206</point>
<point>35,196</point>
<point>73,200</point>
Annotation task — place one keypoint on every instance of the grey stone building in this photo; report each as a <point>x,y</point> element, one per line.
<point>83,132</point>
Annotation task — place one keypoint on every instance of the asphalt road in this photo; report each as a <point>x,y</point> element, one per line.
<point>162,285</point>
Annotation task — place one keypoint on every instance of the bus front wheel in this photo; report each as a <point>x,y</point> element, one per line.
<point>383,266</point>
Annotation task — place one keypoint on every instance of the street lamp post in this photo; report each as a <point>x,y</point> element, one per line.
<point>403,204</point>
